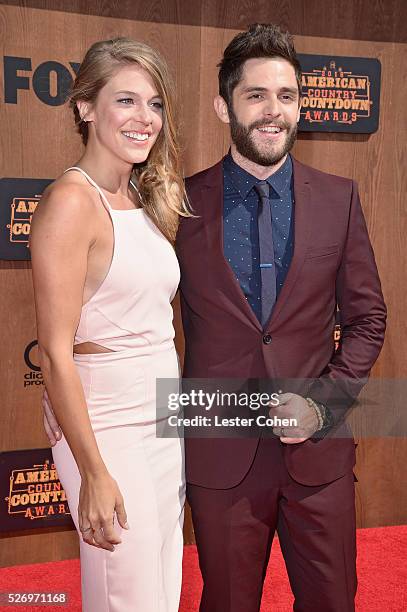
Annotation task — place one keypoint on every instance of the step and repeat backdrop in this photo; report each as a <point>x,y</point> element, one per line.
<point>352,124</point>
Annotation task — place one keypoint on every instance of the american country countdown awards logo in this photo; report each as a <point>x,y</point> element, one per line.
<point>32,378</point>
<point>19,198</point>
<point>339,94</point>
<point>31,493</point>
<point>337,330</point>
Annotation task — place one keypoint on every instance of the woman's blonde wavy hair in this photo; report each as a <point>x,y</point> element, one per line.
<point>160,177</point>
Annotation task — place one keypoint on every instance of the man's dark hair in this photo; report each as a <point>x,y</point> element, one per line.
<point>260,40</point>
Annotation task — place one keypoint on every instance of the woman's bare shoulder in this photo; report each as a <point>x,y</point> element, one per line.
<point>70,193</point>
<point>68,207</point>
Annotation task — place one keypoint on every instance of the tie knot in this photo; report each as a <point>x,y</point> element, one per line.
<point>263,189</point>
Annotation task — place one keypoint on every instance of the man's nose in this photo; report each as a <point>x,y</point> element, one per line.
<point>272,108</point>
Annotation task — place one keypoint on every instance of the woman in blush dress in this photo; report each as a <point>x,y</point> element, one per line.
<point>105,273</point>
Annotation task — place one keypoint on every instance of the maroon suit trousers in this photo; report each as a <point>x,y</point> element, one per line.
<point>234,529</point>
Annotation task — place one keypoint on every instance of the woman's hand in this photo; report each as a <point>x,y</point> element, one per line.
<point>51,425</point>
<point>99,500</point>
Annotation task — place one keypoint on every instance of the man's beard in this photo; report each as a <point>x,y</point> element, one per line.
<point>245,145</point>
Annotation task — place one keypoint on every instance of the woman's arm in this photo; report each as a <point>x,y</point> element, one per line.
<point>62,234</point>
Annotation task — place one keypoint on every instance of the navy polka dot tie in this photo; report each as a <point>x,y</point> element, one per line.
<point>267,266</point>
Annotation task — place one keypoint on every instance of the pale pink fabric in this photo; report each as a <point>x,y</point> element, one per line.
<point>132,307</point>
<point>132,315</point>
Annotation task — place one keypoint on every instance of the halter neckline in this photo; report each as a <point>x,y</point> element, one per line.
<point>102,195</point>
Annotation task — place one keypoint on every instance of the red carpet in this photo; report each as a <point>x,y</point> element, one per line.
<point>382,570</point>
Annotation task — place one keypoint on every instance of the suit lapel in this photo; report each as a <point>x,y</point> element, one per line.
<point>212,198</point>
<point>212,212</point>
<point>302,227</point>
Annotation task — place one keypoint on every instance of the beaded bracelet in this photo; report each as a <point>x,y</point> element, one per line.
<point>317,409</point>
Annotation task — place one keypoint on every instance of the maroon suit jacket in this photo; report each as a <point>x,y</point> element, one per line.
<point>333,263</point>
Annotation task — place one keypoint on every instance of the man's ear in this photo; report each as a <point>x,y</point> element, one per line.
<point>221,109</point>
<point>299,110</point>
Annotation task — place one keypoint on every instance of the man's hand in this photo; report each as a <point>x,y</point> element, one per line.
<point>293,406</point>
<point>52,429</point>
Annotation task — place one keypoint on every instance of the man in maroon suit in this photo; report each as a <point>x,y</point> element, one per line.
<point>274,249</point>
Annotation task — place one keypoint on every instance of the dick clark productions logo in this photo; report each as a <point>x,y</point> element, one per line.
<point>34,377</point>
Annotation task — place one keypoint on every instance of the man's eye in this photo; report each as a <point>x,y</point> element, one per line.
<point>255,96</point>
<point>126,100</point>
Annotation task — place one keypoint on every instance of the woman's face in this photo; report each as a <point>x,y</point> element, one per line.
<point>127,116</point>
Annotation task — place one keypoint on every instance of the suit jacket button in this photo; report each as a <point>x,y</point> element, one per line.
<point>267,339</point>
